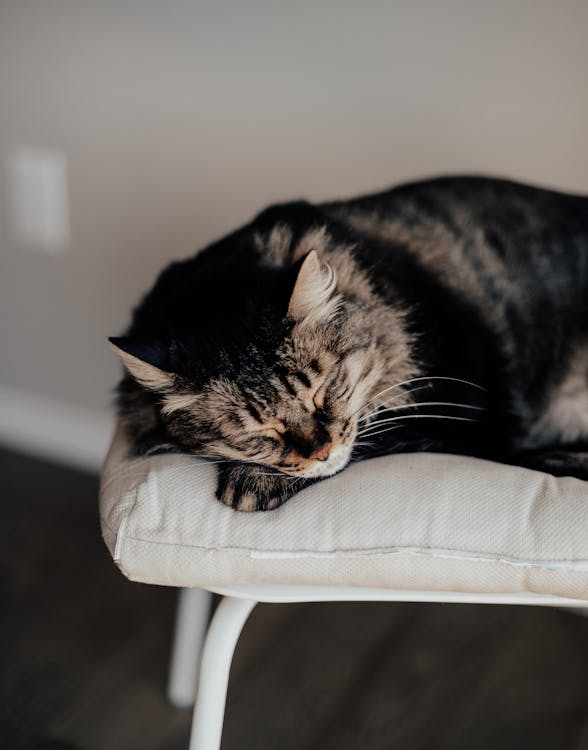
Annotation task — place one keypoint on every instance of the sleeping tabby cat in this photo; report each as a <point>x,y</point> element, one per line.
<point>448,315</point>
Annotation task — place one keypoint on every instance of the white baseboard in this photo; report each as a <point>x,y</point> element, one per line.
<point>54,429</point>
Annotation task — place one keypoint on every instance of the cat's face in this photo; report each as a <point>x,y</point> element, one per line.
<point>298,416</point>
<point>294,409</point>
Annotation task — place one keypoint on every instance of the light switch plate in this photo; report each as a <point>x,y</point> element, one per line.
<point>38,199</point>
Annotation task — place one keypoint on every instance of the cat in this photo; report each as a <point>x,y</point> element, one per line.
<point>446,315</point>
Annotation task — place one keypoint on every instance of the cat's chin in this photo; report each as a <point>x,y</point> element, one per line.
<point>337,461</point>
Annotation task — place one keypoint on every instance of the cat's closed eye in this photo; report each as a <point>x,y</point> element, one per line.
<point>274,431</point>
<point>273,434</point>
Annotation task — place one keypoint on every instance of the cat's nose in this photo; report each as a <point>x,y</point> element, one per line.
<point>322,453</point>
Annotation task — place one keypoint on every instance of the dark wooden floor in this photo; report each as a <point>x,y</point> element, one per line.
<point>84,655</point>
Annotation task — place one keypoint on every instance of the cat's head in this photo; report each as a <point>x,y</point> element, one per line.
<point>287,395</point>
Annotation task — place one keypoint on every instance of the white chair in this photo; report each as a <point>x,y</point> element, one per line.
<point>426,527</point>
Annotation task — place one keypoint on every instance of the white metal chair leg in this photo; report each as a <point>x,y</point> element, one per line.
<point>224,631</point>
<point>192,617</point>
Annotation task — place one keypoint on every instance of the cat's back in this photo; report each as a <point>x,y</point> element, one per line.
<point>509,220</point>
<point>511,248</point>
<point>517,253</point>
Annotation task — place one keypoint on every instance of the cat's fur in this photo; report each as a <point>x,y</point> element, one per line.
<point>448,315</point>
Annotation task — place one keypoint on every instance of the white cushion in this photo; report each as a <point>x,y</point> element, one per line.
<point>426,522</point>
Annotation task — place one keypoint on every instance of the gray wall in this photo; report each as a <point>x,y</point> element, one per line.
<point>180,119</point>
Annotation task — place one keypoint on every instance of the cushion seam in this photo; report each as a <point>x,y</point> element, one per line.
<point>423,552</point>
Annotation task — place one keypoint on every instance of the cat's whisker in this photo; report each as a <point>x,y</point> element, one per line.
<point>386,429</point>
<point>293,478</point>
<point>374,408</point>
<point>211,458</point>
<point>214,463</point>
<point>413,416</point>
<point>418,404</point>
<point>407,392</point>
<point>363,444</point>
<point>420,379</point>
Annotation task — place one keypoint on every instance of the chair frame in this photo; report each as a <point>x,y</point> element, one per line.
<point>202,656</point>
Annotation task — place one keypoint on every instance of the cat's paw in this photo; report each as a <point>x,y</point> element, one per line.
<point>248,487</point>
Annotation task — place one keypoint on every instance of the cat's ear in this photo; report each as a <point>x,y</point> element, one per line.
<point>313,297</point>
<point>139,360</point>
